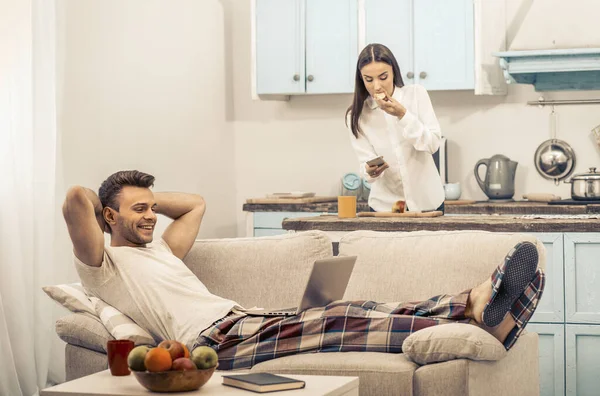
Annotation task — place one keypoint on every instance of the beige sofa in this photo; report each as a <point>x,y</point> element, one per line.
<point>271,272</point>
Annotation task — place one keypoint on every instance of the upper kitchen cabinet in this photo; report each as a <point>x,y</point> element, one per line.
<point>432,40</point>
<point>305,46</point>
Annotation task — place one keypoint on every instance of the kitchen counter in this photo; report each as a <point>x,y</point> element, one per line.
<point>478,208</point>
<point>493,223</point>
<point>323,207</point>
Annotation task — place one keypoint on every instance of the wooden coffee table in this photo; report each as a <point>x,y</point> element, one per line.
<point>103,383</point>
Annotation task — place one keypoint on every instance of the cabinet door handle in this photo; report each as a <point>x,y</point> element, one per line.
<point>423,75</point>
<point>296,77</point>
<point>410,75</point>
<point>310,77</point>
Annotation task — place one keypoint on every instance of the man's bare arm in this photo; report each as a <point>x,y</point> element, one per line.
<point>187,211</point>
<point>83,213</point>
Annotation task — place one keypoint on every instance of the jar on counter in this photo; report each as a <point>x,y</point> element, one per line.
<point>351,185</point>
<point>366,190</point>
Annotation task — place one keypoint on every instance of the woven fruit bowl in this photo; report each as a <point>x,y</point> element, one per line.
<point>174,381</point>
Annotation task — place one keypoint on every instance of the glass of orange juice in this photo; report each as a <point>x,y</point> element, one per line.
<point>346,206</point>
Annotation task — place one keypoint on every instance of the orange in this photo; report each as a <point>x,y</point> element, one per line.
<point>158,359</point>
<point>187,352</point>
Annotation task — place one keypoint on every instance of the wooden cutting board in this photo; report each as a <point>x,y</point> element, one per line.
<point>290,200</point>
<point>460,202</point>
<point>405,214</point>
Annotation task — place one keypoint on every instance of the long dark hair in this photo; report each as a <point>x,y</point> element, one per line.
<point>371,53</point>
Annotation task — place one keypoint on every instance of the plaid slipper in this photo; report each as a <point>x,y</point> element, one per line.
<point>509,281</point>
<point>522,310</point>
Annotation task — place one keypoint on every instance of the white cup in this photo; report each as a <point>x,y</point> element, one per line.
<point>452,191</point>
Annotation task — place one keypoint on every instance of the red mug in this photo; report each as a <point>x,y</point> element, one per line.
<point>117,351</point>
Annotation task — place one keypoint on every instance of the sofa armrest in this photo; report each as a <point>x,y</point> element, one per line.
<point>84,331</point>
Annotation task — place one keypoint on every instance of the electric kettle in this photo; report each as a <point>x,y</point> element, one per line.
<point>499,182</point>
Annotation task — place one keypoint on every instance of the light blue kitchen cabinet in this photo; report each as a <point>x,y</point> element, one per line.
<point>306,46</point>
<point>582,278</point>
<point>552,357</point>
<point>551,307</point>
<point>390,22</point>
<point>432,40</point>
<point>280,46</point>
<point>582,360</point>
<point>331,45</point>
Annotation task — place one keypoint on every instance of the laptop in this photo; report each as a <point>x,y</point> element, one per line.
<point>327,283</point>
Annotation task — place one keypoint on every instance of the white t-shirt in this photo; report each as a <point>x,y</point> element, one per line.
<point>407,145</point>
<point>156,289</point>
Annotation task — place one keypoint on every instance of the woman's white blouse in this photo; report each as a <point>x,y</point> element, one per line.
<point>407,145</point>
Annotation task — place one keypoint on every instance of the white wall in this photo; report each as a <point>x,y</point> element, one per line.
<point>303,144</point>
<point>144,89</point>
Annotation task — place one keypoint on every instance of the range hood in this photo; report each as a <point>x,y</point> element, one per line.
<point>553,70</point>
<point>552,44</point>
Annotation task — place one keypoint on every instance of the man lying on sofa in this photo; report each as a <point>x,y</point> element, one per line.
<point>149,282</point>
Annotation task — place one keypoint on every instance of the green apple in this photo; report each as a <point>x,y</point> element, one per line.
<point>204,357</point>
<point>135,359</point>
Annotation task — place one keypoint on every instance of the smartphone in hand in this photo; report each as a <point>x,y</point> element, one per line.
<point>376,161</point>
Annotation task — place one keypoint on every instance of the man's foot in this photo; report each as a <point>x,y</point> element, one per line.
<point>478,298</point>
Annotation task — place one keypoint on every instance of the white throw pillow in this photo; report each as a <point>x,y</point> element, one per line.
<point>71,296</point>
<point>120,325</point>
<point>452,341</point>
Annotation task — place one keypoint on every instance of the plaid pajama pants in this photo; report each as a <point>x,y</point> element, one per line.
<point>343,326</point>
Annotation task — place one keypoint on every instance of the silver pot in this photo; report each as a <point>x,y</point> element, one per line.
<point>586,186</point>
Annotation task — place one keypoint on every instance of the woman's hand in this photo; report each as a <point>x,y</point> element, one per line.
<point>376,170</point>
<point>391,106</point>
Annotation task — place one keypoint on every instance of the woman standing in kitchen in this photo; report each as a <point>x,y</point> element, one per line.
<point>396,122</point>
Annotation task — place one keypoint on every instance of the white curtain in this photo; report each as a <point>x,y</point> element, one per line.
<point>28,208</point>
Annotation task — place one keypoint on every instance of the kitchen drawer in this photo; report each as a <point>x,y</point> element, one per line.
<point>551,307</point>
<point>274,219</point>
<point>582,277</point>
<point>552,357</point>
<point>583,365</point>
<point>260,232</point>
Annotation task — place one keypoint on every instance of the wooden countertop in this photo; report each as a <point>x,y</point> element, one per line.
<point>493,223</point>
<point>323,207</point>
<point>484,207</point>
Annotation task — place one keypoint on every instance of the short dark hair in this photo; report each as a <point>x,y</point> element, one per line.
<point>371,53</point>
<point>112,186</point>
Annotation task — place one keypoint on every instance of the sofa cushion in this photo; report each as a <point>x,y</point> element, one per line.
<point>83,330</point>
<point>270,272</point>
<point>515,374</point>
<point>119,325</point>
<point>379,373</point>
<point>71,296</point>
<point>410,266</point>
<point>452,341</point>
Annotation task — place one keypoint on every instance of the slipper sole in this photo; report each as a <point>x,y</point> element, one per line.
<point>520,269</point>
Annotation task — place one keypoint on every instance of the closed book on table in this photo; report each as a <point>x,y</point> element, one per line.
<point>262,382</point>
